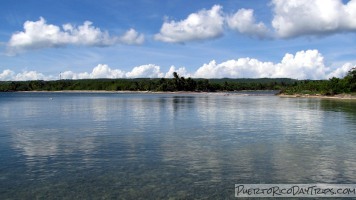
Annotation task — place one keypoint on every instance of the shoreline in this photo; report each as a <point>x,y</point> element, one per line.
<point>142,92</point>
<point>114,92</point>
<point>225,93</point>
<point>338,96</point>
<point>118,92</point>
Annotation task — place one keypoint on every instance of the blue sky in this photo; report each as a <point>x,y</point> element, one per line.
<point>40,39</point>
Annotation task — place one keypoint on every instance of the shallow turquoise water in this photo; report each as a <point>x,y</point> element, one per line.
<point>139,146</point>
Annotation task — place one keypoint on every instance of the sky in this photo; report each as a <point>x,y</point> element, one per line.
<point>79,39</point>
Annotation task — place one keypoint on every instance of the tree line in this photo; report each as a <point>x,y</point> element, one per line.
<point>145,84</point>
<point>332,86</point>
<point>180,83</point>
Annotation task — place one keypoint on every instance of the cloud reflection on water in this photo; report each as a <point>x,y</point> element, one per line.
<point>212,138</point>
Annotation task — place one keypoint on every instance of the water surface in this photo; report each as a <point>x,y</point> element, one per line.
<point>139,146</point>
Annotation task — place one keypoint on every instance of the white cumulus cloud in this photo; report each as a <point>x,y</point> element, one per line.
<point>132,37</point>
<point>145,71</point>
<point>341,71</point>
<point>240,68</point>
<point>205,24</point>
<point>293,18</point>
<point>29,75</point>
<point>104,71</point>
<point>303,65</point>
<point>100,71</point>
<point>39,34</point>
<point>9,75</point>
<point>243,21</point>
<point>309,64</point>
<point>182,71</point>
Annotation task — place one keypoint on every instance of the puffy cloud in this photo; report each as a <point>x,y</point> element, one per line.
<point>240,68</point>
<point>243,21</point>
<point>132,37</point>
<point>69,75</point>
<point>8,75</point>
<point>180,71</point>
<point>100,71</point>
<point>29,75</point>
<point>291,18</point>
<point>145,71</point>
<point>205,24</point>
<point>39,34</point>
<point>303,65</point>
<point>304,17</point>
<point>104,71</point>
<point>307,64</point>
<point>341,71</point>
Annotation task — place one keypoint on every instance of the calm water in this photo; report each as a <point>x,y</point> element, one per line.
<point>142,146</point>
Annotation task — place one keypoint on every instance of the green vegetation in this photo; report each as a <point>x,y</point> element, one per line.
<point>332,86</point>
<point>285,85</point>
<point>144,84</point>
